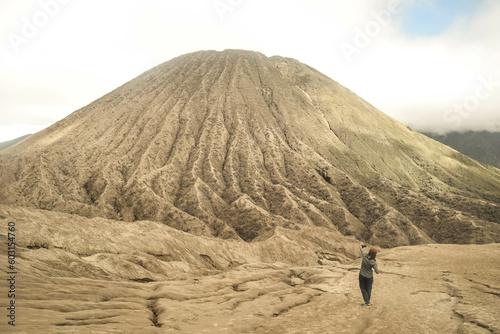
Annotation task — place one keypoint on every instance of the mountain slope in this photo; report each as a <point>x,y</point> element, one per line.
<point>233,144</point>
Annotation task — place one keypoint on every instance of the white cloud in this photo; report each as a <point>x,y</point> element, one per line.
<point>89,48</point>
<point>417,80</point>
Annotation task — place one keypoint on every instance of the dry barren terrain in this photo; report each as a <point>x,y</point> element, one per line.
<point>150,278</point>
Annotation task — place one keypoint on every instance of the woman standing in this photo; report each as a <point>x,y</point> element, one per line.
<point>366,274</point>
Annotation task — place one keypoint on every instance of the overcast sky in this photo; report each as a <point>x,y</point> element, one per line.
<point>430,64</point>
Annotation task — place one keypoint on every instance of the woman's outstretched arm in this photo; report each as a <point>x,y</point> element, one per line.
<point>361,249</point>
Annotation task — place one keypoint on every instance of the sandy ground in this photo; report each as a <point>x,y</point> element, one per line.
<point>421,289</point>
<point>425,289</point>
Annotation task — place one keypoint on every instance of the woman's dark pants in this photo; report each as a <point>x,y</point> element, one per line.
<point>365,284</point>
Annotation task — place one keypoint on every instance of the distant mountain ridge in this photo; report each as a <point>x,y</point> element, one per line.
<point>482,146</point>
<point>8,143</point>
